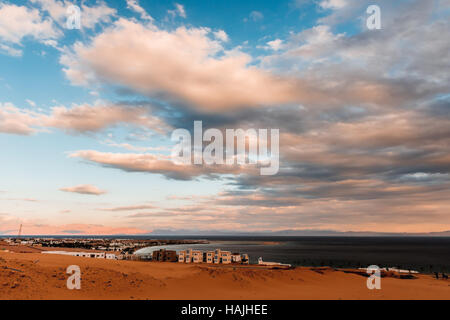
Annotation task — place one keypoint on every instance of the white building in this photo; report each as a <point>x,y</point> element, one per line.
<point>236,257</point>
<point>272,264</point>
<point>97,255</point>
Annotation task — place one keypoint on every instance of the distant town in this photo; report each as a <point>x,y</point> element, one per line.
<point>122,249</point>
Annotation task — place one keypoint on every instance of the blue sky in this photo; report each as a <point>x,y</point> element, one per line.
<point>86,115</point>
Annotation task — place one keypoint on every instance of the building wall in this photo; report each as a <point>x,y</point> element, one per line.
<point>209,256</point>
<point>217,256</point>
<point>182,256</point>
<point>188,256</point>
<point>197,256</point>
<point>226,257</point>
<point>236,257</point>
<point>163,255</point>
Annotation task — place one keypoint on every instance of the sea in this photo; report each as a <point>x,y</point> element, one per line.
<point>423,254</point>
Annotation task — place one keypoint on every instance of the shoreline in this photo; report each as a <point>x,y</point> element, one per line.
<point>37,276</point>
<point>33,249</point>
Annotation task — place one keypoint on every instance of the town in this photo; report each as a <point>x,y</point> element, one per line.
<point>119,249</point>
<point>197,256</point>
<point>122,249</point>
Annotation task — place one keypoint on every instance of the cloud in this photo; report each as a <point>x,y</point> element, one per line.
<point>22,199</point>
<point>86,118</point>
<point>314,68</point>
<point>256,16</point>
<point>17,121</point>
<point>221,35</point>
<point>19,22</point>
<point>394,214</point>
<point>333,4</point>
<point>84,189</point>
<point>276,44</point>
<point>157,164</point>
<point>10,50</point>
<point>129,208</point>
<point>90,16</point>
<point>397,78</point>
<point>198,76</point>
<point>31,102</point>
<point>364,118</point>
<point>134,6</point>
<point>178,11</point>
<point>82,118</point>
<point>9,226</point>
<point>135,148</point>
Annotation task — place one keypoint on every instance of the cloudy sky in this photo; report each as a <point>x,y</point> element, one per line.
<point>86,115</point>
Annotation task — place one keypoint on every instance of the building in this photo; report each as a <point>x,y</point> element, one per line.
<point>145,257</point>
<point>217,256</point>
<point>236,258</point>
<point>209,257</point>
<point>197,256</point>
<point>163,255</point>
<point>272,264</point>
<point>226,257</point>
<point>182,256</point>
<point>188,258</point>
<point>97,255</point>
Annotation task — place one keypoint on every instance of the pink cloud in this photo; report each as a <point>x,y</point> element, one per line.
<point>84,189</point>
<point>80,118</point>
<point>83,118</point>
<point>154,61</point>
<point>74,229</point>
<point>158,164</point>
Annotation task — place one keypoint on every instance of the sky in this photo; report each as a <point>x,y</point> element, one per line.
<point>86,115</point>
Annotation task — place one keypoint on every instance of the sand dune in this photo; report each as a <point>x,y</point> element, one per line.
<point>39,276</point>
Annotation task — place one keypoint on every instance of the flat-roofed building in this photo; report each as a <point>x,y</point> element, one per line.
<point>236,258</point>
<point>182,256</point>
<point>98,255</point>
<point>164,255</point>
<point>197,256</point>
<point>209,256</point>
<point>111,256</point>
<point>217,256</point>
<point>226,257</point>
<point>188,256</point>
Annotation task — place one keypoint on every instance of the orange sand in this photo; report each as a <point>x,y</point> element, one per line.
<point>44,277</point>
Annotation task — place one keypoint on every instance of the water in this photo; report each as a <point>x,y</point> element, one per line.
<point>424,254</point>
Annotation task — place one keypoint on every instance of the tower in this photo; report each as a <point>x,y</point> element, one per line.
<point>20,232</point>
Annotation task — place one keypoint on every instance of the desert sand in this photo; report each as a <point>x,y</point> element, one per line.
<point>41,276</point>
